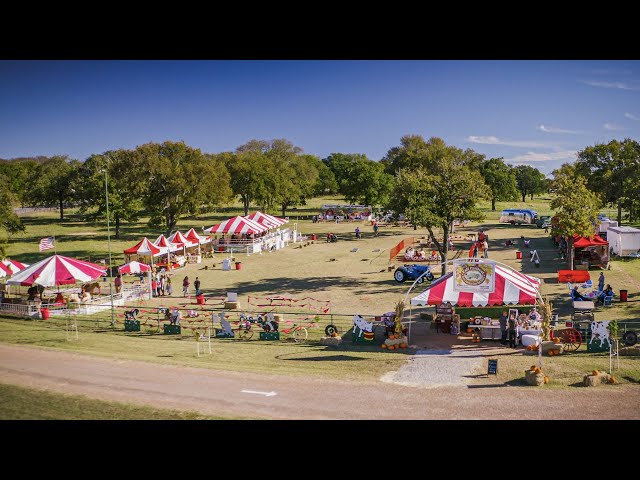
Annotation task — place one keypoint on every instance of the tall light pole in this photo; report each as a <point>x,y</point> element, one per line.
<point>106,194</point>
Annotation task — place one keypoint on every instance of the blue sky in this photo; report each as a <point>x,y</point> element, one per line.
<point>529,112</point>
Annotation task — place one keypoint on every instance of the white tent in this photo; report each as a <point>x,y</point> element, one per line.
<point>624,241</point>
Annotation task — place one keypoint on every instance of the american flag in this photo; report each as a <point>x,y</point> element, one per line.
<point>46,244</point>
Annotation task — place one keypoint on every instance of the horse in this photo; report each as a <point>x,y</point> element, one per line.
<point>91,288</point>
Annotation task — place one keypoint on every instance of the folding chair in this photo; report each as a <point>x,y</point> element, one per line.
<point>608,300</point>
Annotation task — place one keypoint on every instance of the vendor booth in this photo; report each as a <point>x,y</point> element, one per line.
<point>490,284</point>
<point>589,252</point>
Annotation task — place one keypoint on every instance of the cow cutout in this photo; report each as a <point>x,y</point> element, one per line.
<point>600,331</point>
<point>361,325</point>
<point>226,326</point>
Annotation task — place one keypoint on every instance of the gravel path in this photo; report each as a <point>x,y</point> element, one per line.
<point>438,368</point>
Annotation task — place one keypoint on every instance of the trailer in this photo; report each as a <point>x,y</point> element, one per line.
<point>518,216</point>
<point>624,241</point>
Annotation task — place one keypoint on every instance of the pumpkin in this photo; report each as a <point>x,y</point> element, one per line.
<point>546,379</point>
<point>556,352</point>
<point>551,353</point>
<point>533,367</point>
<point>384,345</point>
<point>528,348</point>
<point>469,330</point>
<point>537,370</point>
<point>613,380</point>
<point>392,337</point>
<point>595,372</point>
<point>556,340</point>
<point>391,347</point>
<point>403,345</point>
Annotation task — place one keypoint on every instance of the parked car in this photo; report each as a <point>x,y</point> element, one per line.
<point>541,221</point>
<point>411,272</point>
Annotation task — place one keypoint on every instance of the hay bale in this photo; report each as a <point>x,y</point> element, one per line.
<point>534,379</point>
<point>631,351</point>
<point>330,340</point>
<point>231,305</point>
<point>594,380</point>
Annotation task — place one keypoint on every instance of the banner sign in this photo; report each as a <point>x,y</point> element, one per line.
<point>475,275</point>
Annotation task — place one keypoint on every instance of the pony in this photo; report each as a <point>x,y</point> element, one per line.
<point>91,288</point>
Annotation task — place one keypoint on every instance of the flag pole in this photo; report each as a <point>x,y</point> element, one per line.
<point>55,248</point>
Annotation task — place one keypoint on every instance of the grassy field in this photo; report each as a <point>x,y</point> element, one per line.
<point>351,273</point>
<point>19,403</point>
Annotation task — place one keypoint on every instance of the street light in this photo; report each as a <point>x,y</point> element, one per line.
<point>106,193</point>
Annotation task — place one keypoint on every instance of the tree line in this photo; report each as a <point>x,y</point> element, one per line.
<point>430,182</point>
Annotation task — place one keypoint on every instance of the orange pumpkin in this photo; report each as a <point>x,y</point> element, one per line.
<point>384,345</point>
<point>613,380</point>
<point>392,347</point>
<point>533,367</point>
<point>392,337</point>
<point>595,372</point>
<point>556,340</point>
<point>469,330</point>
<point>546,379</point>
<point>403,345</point>
<point>537,370</point>
<point>551,353</point>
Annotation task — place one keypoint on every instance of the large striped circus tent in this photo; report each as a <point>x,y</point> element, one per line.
<point>267,220</point>
<point>238,225</point>
<point>57,270</point>
<point>511,288</point>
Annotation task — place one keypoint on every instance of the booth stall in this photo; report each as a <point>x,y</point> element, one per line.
<point>589,252</point>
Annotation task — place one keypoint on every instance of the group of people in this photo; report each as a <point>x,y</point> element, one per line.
<point>508,329</point>
<point>603,292</point>
<point>186,283</point>
<point>161,284</point>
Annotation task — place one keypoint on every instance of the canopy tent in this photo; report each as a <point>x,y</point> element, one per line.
<point>267,220</point>
<point>5,271</point>
<point>582,242</point>
<point>134,268</point>
<point>178,239</point>
<point>14,265</point>
<point>240,225</point>
<point>144,247</point>
<point>165,245</point>
<point>57,270</point>
<point>512,288</point>
<point>193,236</point>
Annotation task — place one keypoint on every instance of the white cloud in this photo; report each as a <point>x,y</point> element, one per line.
<point>618,85</point>
<point>568,155</point>
<point>544,128</point>
<point>491,140</point>
<point>612,126</point>
<point>631,116</point>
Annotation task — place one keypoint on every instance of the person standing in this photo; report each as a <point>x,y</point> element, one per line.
<point>167,286</point>
<point>512,331</point>
<point>485,247</point>
<point>375,229</point>
<point>475,250</point>
<point>503,328</point>
<point>196,285</point>
<point>185,286</point>
<point>118,283</point>
<point>358,236</point>
<point>601,282</point>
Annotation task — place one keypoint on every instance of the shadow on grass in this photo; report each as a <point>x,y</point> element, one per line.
<point>331,358</point>
<point>632,380</point>
<point>518,382</point>
<point>294,286</point>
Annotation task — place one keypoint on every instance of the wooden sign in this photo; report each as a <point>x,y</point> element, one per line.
<point>492,367</point>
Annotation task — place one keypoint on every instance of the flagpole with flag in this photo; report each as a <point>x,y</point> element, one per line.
<point>47,243</point>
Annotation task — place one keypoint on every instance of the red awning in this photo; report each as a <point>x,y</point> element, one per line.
<point>582,242</point>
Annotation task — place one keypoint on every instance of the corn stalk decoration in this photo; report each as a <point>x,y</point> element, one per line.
<point>546,310</point>
<point>398,318</point>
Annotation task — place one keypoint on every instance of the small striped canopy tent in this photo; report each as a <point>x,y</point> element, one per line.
<point>193,236</point>
<point>267,220</point>
<point>512,288</point>
<point>143,247</point>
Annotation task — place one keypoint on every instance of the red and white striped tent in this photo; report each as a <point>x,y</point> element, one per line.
<point>193,236</point>
<point>179,239</point>
<point>237,225</point>
<point>5,271</point>
<point>134,267</point>
<point>57,270</point>
<point>512,288</point>
<point>14,265</point>
<point>143,247</point>
<point>267,220</point>
<point>165,245</point>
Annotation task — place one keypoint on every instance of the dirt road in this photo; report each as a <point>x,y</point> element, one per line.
<point>282,397</point>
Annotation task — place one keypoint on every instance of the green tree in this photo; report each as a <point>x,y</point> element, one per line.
<point>414,152</point>
<point>576,206</point>
<point>501,180</point>
<point>367,183</point>
<point>326,184</point>
<point>126,188</point>
<point>52,182</point>
<point>18,172</point>
<point>9,221</point>
<point>529,181</point>
<point>438,191</point>
<point>296,180</point>
<point>181,181</point>
<point>250,174</point>
<point>613,169</point>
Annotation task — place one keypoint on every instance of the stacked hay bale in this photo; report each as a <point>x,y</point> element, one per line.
<point>597,378</point>
<point>535,377</point>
